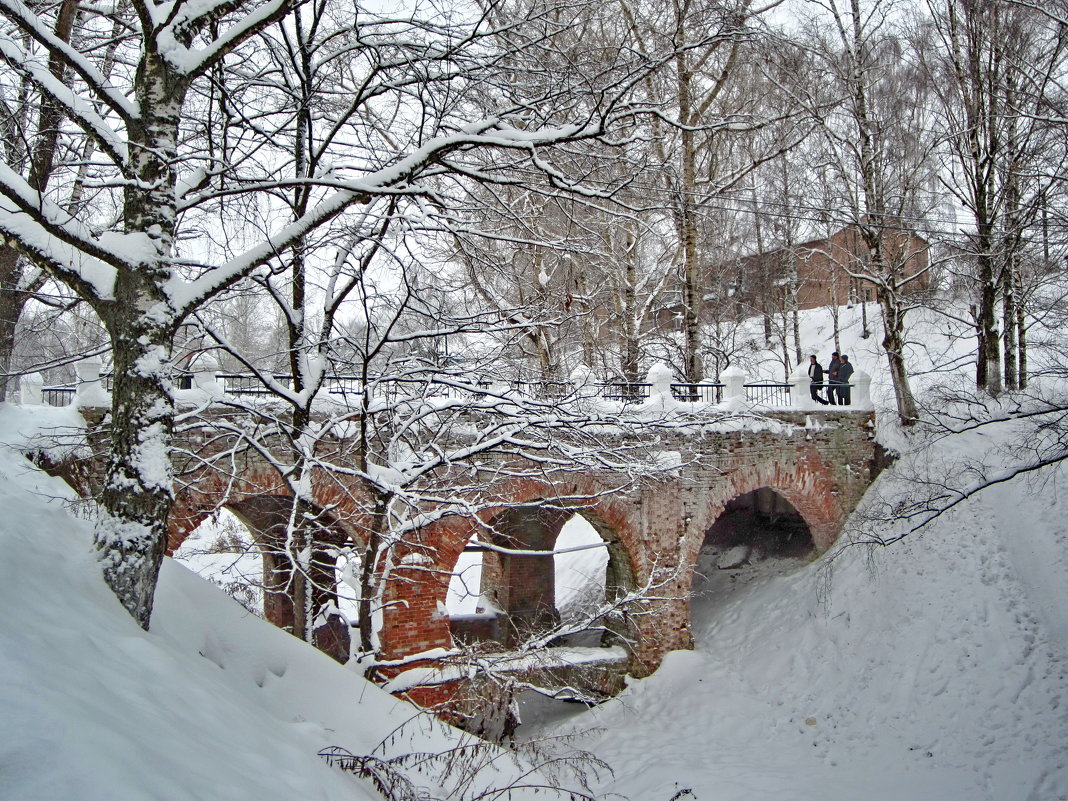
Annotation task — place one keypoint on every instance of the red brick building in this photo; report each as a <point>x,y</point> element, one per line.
<point>828,273</point>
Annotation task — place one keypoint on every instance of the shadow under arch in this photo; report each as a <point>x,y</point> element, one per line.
<point>762,523</point>
<point>756,533</point>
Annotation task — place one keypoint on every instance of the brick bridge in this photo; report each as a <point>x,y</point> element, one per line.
<point>819,461</point>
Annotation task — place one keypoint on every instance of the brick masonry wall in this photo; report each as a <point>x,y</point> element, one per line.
<point>820,462</point>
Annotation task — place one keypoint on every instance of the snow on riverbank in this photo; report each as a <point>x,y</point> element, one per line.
<point>936,669</point>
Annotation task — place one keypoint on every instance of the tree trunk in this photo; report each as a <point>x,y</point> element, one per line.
<point>893,344</point>
<point>12,303</point>
<point>988,366</point>
<point>1010,339</point>
<point>131,534</point>
<point>1021,333</point>
<point>12,291</point>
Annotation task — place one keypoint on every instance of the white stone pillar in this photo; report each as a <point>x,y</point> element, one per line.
<point>582,377</point>
<point>30,386</point>
<point>733,380</point>
<point>204,375</point>
<point>90,391</point>
<point>659,379</point>
<point>801,389</point>
<point>860,397</point>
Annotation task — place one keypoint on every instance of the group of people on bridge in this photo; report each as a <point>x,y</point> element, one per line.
<point>838,375</point>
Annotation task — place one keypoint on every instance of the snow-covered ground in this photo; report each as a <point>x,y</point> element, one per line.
<point>933,670</point>
<point>213,703</point>
<point>936,669</point>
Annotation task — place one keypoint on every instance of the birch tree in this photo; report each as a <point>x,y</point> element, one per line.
<point>140,273</point>
<point>996,67</point>
<point>878,135</point>
<point>709,106</point>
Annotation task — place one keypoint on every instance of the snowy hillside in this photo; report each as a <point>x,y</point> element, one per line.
<point>932,670</point>
<point>214,703</point>
<point>936,669</point>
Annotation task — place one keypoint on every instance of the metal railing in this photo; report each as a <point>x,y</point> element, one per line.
<point>703,392</point>
<point>58,396</point>
<point>626,391</point>
<point>763,393</point>
<point>768,394</point>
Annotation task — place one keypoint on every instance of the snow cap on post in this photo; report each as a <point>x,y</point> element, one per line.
<point>659,379</point>
<point>801,389</point>
<point>860,394</point>
<point>30,386</point>
<point>90,392</point>
<point>581,376</point>
<point>733,380</point>
<point>204,375</point>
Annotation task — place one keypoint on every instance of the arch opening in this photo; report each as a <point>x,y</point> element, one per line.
<point>243,547</point>
<point>756,536</point>
<point>539,573</point>
<point>760,525</point>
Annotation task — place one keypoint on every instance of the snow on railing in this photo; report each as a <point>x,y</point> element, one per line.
<point>93,388</point>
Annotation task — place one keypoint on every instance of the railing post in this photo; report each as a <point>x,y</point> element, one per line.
<point>30,386</point>
<point>733,380</point>
<point>801,389</point>
<point>204,376</point>
<point>581,377</point>
<point>860,397</point>
<point>659,380</point>
<point>90,391</point>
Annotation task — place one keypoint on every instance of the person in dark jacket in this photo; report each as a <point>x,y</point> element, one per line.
<point>815,374</point>
<point>832,377</point>
<point>845,377</point>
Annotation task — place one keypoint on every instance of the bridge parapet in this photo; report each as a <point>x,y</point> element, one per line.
<point>206,384</point>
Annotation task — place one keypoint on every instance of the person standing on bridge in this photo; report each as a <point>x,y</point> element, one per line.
<point>845,374</point>
<point>815,374</point>
<point>832,377</point>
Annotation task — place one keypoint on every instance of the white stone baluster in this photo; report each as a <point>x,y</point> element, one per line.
<point>30,386</point>
<point>733,380</point>
<point>659,380</point>
<point>860,395</point>
<point>90,391</point>
<point>801,389</point>
<point>204,375</point>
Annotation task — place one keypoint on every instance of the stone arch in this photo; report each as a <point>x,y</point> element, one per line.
<point>267,518</point>
<point>807,482</point>
<point>764,521</point>
<point>415,618</point>
<point>205,490</point>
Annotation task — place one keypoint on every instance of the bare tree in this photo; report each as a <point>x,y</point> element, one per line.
<point>873,120</point>
<point>140,273</point>
<point>709,107</point>
<point>995,68</point>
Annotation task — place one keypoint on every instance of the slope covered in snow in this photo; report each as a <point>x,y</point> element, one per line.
<point>933,670</point>
<point>213,703</point>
